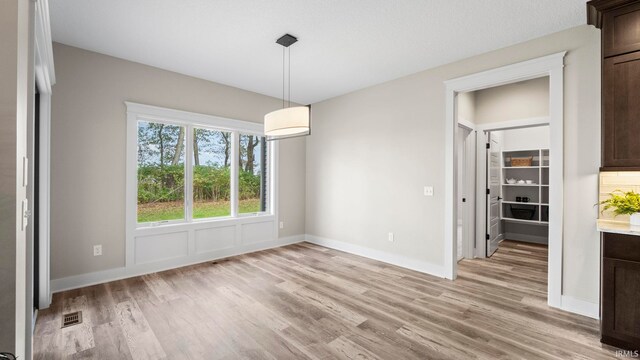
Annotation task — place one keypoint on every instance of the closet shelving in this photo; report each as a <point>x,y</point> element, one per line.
<point>537,191</point>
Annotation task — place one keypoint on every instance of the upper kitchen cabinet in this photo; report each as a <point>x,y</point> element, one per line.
<point>620,24</point>
<point>621,30</point>
<point>621,111</point>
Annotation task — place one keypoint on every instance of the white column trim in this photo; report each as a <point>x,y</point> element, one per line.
<point>45,79</point>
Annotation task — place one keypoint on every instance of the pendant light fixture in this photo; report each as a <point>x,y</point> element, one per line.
<point>289,121</point>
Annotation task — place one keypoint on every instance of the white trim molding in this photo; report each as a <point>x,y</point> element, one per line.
<point>393,259</point>
<point>551,66</point>
<point>157,113</point>
<point>178,243</point>
<point>45,79</point>
<point>514,124</point>
<point>45,71</point>
<point>100,277</point>
<point>78,281</point>
<point>466,124</point>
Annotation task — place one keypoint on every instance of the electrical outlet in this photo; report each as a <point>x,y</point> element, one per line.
<point>281,224</point>
<point>391,237</point>
<point>428,191</point>
<point>97,250</point>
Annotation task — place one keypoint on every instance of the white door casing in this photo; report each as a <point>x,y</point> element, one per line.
<point>466,192</point>
<point>551,66</point>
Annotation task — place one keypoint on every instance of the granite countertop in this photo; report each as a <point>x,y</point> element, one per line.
<point>618,227</point>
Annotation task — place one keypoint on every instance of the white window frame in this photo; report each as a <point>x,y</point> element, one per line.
<point>140,112</point>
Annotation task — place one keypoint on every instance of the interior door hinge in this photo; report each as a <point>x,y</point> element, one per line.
<point>488,236</point>
<point>488,191</point>
<point>488,146</point>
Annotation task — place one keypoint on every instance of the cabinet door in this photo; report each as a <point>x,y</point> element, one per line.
<point>621,122</point>
<point>621,303</point>
<point>621,30</point>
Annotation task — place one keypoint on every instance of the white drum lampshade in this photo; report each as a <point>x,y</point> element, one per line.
<point>287,122</point>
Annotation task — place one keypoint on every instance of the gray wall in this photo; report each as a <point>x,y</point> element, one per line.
<point>16,112</point>
<point>8,101</point>
<point>521,100</point>
<point>528,138</point>
<point>88,150</point>
<point>373,150</point>
<point>467,106</point>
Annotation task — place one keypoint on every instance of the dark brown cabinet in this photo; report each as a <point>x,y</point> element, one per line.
<point>620,268</point>
<point>621,110</point>
<point>621,291</point>
<point>621,30</point>
<point>620,24</point>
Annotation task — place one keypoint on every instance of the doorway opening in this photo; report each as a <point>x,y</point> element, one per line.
<point>546,72</point>
<point>511,176</point>
<point>517,179</point>
<point>514,164</point>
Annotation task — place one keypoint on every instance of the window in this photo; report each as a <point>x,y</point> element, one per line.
<point>197,168</point>
<point>211,173</point>
<point>253,175</point>
<point>160,172</point>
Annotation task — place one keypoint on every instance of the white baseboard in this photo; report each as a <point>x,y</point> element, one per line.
<point>99,277</point>
<point>393,259</point>
<point>77,281</point>
<point>581,307</point>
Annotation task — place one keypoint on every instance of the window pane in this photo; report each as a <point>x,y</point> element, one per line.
<point>160,172</point>
<point>252,174</point>
<point>211,173</point>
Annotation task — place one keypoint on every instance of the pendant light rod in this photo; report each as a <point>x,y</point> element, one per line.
<point>283,69</point>
<point>289,121</point>
<point>289,77</point>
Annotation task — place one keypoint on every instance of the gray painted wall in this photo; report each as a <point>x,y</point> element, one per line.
<point>8,101</point>
<point>521,100</point>
<point>16,112</point>
<point>372,152</point>
<point>88,150</point>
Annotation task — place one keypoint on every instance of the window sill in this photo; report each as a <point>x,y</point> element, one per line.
<point>205,223</point>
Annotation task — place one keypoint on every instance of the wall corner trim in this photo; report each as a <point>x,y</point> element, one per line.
<point>393,259</point>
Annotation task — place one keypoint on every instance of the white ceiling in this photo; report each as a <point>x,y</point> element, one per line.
<point>343,45</point>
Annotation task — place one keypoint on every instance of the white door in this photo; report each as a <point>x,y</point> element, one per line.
<point>493,196</point>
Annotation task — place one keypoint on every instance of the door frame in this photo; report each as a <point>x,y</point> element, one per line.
<point>45,79</point>
<point>551,66</point>
<point>469,185</point>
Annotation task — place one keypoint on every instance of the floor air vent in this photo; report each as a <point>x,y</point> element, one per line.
<point>71,319</point>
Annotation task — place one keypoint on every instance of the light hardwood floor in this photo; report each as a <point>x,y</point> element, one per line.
<point>308,302</point>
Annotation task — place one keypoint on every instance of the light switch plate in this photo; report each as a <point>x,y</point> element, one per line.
<point>428,191</point>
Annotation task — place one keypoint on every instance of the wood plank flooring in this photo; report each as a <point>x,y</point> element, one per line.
<point>308,302</point>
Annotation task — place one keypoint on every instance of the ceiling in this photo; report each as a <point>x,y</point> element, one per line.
<point>343,45</point>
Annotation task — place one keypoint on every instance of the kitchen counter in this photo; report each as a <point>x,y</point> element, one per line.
<point>618,227</point>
